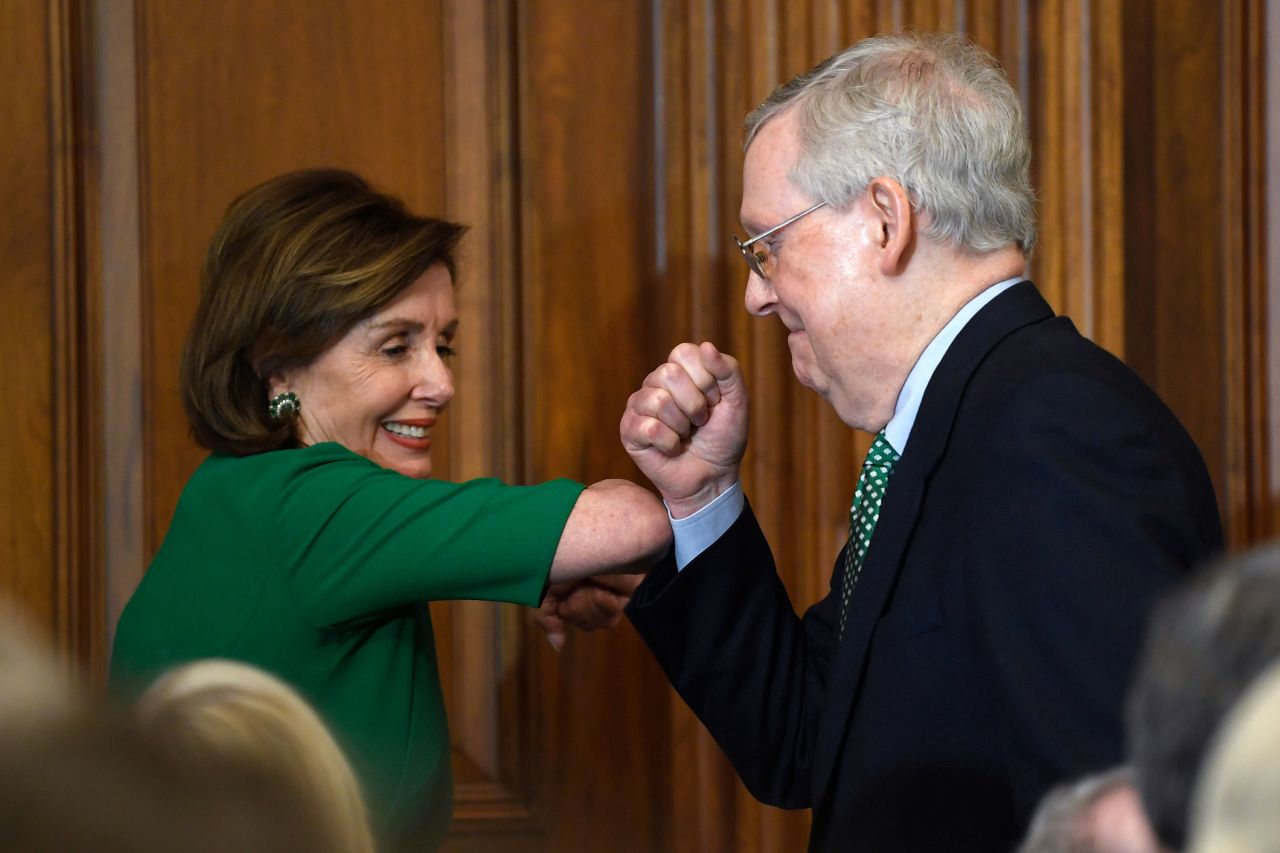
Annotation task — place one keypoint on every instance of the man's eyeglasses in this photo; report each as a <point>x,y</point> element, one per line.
<point>761,259</point>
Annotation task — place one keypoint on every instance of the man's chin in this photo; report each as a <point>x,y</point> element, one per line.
<point>844,410</point>
<point>804,373</point>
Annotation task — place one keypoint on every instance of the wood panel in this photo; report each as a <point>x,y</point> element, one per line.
<point>48,529</point>
<point>1266,412</point>
<point>27,517</point>
<point>1251,428</point>
<point>77,347</point>
<point>117,271</point>
<point>1175,300</point>
<point>1193,253</point>
<point>1076,99</point>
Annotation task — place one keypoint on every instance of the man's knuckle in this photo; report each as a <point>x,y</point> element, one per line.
<point>682,350</point>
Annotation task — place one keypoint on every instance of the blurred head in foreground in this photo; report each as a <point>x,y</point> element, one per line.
<point>1098,814</point>
<point>1237,802</point>
<point>227,709</point>
<point>32,689</point>
<point>101,784</point>
<point>1204,646</point>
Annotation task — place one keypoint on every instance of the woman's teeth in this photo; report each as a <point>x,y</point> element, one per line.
<point>407,431</point>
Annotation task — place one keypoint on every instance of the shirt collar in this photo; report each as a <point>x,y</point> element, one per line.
<point>898,430</point>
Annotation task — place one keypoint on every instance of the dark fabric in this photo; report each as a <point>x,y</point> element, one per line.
<point>1045,499</point>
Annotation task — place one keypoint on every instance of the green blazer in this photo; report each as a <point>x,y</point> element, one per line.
<point>316,564</point>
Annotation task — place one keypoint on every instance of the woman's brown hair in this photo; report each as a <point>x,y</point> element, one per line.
<point>296,262</point>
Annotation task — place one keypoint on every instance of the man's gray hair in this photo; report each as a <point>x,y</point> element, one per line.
<point>932,111</point>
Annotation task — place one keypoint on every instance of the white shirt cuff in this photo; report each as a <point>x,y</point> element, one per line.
<point>698,532</point>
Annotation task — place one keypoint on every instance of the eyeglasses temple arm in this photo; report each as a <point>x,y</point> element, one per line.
<point>783,224</point>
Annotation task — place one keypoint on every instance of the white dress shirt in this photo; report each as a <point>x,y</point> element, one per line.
<point>695,533</point>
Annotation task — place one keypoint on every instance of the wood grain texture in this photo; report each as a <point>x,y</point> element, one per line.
<point>48,340</point>
<point>28,519</point>
<point>1078,143</point>
<point>1249,482</point>
<point>1175,253</point>
<point>78,569</point>
<point>1268,409</point>
<point>116,269</point>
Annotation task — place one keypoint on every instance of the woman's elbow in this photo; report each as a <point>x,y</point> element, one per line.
<point>616,526</point>
<point>639,521</point>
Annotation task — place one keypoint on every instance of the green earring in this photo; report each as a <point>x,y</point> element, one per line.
<point>284,406</point>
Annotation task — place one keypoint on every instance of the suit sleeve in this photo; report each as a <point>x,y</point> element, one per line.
<point>1082,515</point>
<point>725,633</point>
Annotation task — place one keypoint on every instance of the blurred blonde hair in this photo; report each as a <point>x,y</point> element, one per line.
<point>1237,801</point>
<point>32,688</point>
<point>234,710</point>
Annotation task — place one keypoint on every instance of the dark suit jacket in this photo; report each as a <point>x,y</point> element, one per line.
<point>1045,499</point>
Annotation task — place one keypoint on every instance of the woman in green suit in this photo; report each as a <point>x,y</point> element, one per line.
<point>312,538</point>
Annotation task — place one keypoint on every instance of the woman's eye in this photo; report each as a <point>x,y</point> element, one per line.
<point>395,351</point>
<point>445,351</point>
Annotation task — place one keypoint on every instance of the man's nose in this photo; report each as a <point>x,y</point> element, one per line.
<point>759,296</point>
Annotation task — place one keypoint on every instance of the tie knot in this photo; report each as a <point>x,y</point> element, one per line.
<point>881,454</point>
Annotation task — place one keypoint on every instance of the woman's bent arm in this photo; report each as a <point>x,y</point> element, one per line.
<point>616,526</point>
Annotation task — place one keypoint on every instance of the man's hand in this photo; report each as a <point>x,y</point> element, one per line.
<point>587,605</point>
<point>686,428</point>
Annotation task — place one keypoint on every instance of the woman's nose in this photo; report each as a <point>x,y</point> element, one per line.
<point>435,385</point>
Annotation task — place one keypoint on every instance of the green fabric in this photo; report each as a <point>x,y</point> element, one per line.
<point>316,564</point>
<point>863,515</point>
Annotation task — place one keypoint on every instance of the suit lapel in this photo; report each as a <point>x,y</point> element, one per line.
<point>1019,306</point>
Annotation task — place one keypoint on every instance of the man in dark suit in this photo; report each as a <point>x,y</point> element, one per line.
<point>1025,501</point>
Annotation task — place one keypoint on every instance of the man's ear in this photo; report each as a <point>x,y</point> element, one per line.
<point>896,220</point>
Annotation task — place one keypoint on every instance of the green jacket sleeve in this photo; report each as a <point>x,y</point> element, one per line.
<point>363,539</point>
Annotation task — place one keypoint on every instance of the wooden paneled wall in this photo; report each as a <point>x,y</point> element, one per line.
<point>595,149</point>
<point>49,343</point>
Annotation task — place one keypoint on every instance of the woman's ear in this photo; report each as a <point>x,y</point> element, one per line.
<point>279,382</point>
<point>896,221</point>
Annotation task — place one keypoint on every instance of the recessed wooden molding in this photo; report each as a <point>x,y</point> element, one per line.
<point>78,588</point>
<point>118,277</point>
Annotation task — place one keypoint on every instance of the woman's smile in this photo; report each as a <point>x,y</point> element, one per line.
<point>415,433</point>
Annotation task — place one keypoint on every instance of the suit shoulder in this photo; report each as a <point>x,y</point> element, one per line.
<point>1050,390</point>
<point>1052,367</point>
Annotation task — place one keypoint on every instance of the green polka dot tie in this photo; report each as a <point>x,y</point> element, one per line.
<point>864,514</point>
